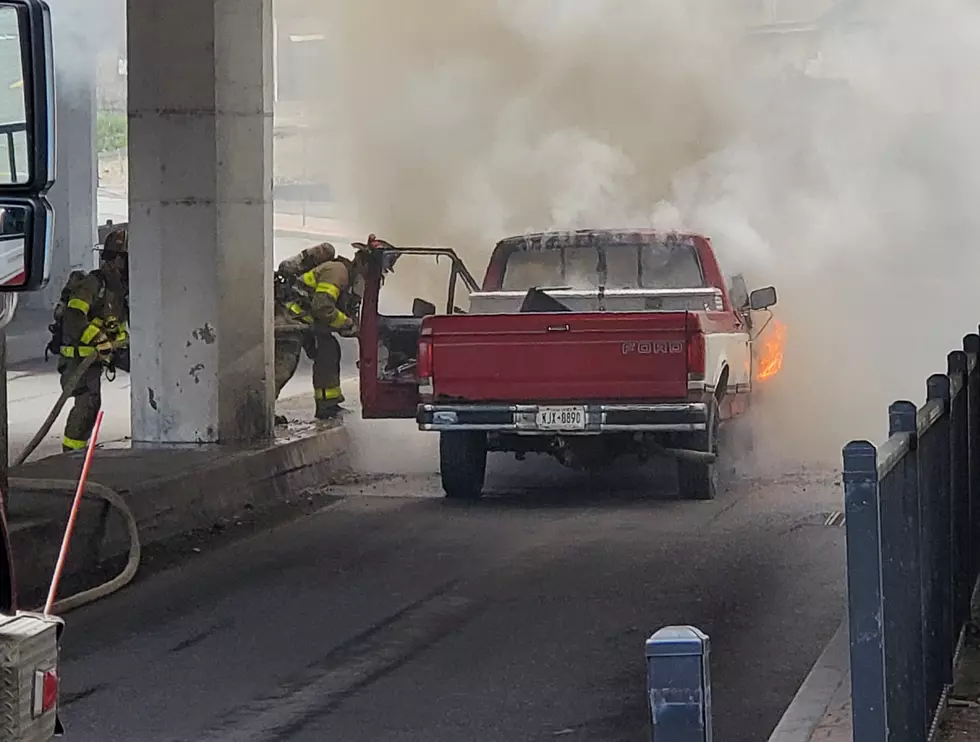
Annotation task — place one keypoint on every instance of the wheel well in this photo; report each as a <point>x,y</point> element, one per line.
<point>722,387</point>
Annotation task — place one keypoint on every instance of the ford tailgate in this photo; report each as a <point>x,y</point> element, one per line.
<point>560,356</point>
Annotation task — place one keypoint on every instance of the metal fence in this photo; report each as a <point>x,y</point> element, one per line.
<point>913,554</point>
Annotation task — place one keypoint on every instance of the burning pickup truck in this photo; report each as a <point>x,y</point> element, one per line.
<point>586,345</point>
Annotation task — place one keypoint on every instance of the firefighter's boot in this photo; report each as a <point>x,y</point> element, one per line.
<point>327,409</point>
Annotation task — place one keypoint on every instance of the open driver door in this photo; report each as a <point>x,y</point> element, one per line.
<point>392,315</point>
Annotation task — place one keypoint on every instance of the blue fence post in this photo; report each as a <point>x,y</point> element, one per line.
<point>940,534</point>
<point>864,592</point>
<point>679,685</point>
<point>960,492</point>
<point>901,577</point>
<point>971,345</point>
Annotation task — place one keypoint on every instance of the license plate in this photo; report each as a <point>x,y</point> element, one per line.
<point>561,418</point>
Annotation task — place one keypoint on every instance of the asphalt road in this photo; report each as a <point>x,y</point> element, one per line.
<point>393,615</point>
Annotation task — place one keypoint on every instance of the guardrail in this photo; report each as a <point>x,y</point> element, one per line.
<point>913,554</point>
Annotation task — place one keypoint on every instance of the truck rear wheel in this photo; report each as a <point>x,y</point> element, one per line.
<point>700,481</point>
<point>463,464</point>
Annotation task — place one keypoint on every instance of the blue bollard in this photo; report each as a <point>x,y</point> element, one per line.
<point>679,685</point>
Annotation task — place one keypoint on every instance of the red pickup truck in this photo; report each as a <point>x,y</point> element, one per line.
<point>585,345</point>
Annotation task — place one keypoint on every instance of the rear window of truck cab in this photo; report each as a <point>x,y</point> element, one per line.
<point>611,260</point>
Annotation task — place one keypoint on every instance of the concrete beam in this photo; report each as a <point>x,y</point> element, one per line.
<point>200,175</point>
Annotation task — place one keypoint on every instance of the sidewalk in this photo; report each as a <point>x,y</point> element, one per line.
<point>821,710</point>
<point>962,719</point>
<point>172,491</point>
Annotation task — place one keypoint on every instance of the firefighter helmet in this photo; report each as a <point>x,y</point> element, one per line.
<point>116,243</point>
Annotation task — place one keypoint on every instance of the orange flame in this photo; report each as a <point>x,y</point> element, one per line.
<point>771,358</point>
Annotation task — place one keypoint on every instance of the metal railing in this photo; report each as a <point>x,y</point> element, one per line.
<point>7,132</point>
<point>913,519</point>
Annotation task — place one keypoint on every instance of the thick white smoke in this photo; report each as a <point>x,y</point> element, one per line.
<point>462,121</point>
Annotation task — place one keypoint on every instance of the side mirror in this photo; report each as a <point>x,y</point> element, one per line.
<point>25,226</point>
<point>738,292</point>
<point>27,144</point>
<point>423,308</point>
<point>762,298</point>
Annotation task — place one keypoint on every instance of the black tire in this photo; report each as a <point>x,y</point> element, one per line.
<point>463,464</point>
<point>700,481</point>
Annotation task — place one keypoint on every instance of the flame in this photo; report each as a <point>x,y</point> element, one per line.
<point>771,358</point>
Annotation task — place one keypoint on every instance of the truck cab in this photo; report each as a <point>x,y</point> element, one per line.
<point>584,345</point>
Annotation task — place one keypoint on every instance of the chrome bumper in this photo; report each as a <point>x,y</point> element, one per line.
<point>599,418</point>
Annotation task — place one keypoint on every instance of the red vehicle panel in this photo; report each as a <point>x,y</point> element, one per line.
<point>558,357</point>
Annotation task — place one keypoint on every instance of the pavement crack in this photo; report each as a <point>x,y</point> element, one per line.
<point>67,699</point>
<point>199,637</point>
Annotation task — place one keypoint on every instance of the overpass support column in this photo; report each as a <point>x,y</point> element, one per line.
<point>200,180</point>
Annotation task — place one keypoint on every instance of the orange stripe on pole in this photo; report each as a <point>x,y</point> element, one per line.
<point>63,554</point>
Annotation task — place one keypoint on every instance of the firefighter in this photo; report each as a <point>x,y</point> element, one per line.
<point>314,294</point>
<point>91,318</point>
<point>291,310</point>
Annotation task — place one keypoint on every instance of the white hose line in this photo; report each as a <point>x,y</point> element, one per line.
<point>68,486</point>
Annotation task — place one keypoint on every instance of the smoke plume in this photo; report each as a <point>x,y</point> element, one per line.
<point>851,190</point>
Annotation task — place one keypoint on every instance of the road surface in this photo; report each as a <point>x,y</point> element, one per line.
<point>393,615</point>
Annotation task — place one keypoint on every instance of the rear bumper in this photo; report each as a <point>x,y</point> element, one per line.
<point>599,418</point>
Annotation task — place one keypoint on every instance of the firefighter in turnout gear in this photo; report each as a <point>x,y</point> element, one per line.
<point>92,318</point>
<point>313,304</point>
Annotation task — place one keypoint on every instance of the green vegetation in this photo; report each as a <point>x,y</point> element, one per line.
<point>110,131</point>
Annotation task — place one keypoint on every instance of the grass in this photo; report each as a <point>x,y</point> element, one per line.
<point>111,129</point>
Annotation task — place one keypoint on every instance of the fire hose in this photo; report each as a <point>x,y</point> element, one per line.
<point>110,496</point>
<point>68,486</point>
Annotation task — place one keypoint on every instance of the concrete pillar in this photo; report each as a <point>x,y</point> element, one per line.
<point>200,179</point>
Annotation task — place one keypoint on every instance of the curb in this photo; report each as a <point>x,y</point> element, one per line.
<point>824,698</point>
<point>167,506</point>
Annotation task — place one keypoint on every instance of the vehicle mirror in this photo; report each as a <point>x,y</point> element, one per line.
<point>25,238</point>
<point>27,129</point>
<point>762,298</point>
<point>738,292</point>
<point>422,308</point>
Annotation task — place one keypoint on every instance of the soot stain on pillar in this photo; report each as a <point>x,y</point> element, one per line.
<point>205,334</point>
<point>250,416</point>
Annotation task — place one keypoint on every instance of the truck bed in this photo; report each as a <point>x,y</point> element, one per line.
<point>559,357</point>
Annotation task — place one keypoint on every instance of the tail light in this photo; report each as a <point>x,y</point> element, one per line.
<point>45,695</point>
<point>424,365</point>
<point>695,348</point>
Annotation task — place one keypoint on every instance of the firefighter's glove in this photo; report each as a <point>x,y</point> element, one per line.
<point>349,329</point>
<point>104,348</point>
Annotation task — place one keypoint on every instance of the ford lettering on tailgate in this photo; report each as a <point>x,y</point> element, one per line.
<point>653,348</point>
